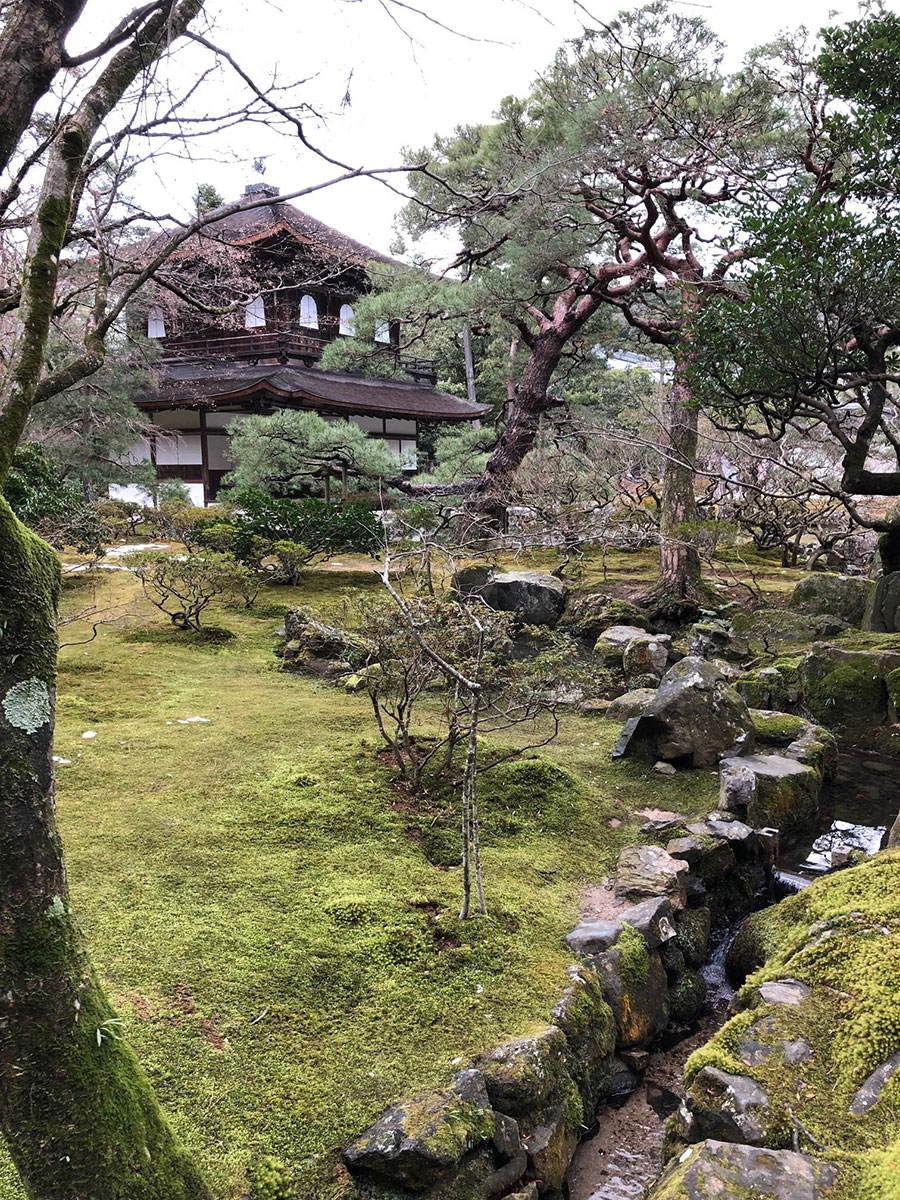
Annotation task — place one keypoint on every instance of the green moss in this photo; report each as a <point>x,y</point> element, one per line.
<point>845,695</point>
<point>686,996</point>
<point>777,727</point>
<point>634,964</point>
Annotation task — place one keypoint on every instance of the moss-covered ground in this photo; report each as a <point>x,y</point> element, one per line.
<point>273,923</point>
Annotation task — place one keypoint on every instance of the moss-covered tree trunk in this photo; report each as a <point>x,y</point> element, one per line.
<point>679,562</point>
<point>78,1114</point>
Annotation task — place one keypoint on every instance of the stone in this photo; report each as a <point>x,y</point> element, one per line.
<point>586,1019</point>
<point>867,1095</point>
<point>631,704</point>
<point>588,613</point>
<point>692,934</point>
<point>611,643</point>
<point>687,994</point>
<point>636,1060</point>
<point>634,985</point>
<point>552,1139</point>
<point>709,856</point>
<point>593,937</point>
<point>720,1169</point>
<point>810,744</point>
<point>846,597</point>
<point>743,839</point>
<point>784,991</point>
<point>659,820</point>
<point>672,959</point>
<point>471,580</point>
<point>883,612</point>
<point>846,690</point>
<point>798,1052</point>
<point>624,1080</point>
<point>649,871</point>
<point>315,648</point>
<point>645,656</point>
<point>654,920</point>
<point>769,789</point>
<point>711,639</point>
<point>694,719</point>
<point>730,1108</point>
<point>521,1074</point>
<point>538,599</point>
<point>417,1141</point>
<point>664,768</point>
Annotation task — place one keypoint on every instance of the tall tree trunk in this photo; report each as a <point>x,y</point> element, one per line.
<point>679,562</point>
<point>80,1118</point>
<point>78,1114</point>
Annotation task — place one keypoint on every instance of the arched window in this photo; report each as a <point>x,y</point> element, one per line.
<point>347,326</point>
<point>255,314</point>
<point>156,323</point>
<point>309,313</point>
<point>383,333</point>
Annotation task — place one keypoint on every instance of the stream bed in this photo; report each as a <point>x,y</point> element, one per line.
<point>856,811</point>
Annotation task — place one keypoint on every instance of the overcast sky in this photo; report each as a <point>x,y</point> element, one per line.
<point>404,84</point>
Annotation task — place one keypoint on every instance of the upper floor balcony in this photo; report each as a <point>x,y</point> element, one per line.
<point>261,345</point>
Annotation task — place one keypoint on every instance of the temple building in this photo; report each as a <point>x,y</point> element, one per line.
<point>264,355</point>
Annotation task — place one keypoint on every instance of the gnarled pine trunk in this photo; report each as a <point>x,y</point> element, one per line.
<point>77,1112</point>
<point>679,562</point>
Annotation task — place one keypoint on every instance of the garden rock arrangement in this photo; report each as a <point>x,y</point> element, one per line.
<point>514,1118</point>
<point>314,648</point>
<point>797,1089</point>
<point>695,719</point>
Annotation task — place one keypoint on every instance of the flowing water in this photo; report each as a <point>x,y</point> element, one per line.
<point>619,1159</point>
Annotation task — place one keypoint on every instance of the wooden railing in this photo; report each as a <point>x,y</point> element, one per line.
<point>253,346</point>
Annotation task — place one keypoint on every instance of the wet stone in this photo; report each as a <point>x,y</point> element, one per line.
<point>645,871</point>
<point>732,1108</point>
<point>718,1169</point>
<point>784,991</point>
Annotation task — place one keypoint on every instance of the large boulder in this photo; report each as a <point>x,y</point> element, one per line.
<point>417,1141</point>
<point>883,613</point>
<point>768,790</point>
<point>586,1019</point>
<point>846,690</point>
<point>522,1074</point>
<point>695,719</point>
<point>715,1168</point>
<point>844,596</point>
<point>538,599</point>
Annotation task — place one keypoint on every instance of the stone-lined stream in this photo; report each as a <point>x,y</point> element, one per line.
<point>620,1159</point>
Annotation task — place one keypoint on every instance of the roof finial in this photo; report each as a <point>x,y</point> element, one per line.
<point>261,189</point>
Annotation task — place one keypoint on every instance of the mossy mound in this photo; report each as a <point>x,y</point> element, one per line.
<point>812,1043</point>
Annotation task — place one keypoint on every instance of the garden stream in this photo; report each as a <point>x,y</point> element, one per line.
<point>622,1156</point>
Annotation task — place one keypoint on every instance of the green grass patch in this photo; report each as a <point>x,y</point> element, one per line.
<point>260,900</point>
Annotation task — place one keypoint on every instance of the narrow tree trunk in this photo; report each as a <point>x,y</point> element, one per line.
<point>77,1112</point>
<point>679,562</point>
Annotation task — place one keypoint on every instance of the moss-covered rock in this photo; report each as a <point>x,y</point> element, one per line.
<point>586,1019</point>
<point>588,613</point>
<point>521,1074</point>
<point>692,936</point>
<point>634,984</point>
<point>737,1172</point>
<point>843,596</point>
<point>686,996</point>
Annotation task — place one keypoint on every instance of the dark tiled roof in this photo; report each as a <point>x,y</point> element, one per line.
<point>213,384</point>
<point>268,220</point>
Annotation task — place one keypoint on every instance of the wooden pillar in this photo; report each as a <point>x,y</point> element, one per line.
<point>204,457</point>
